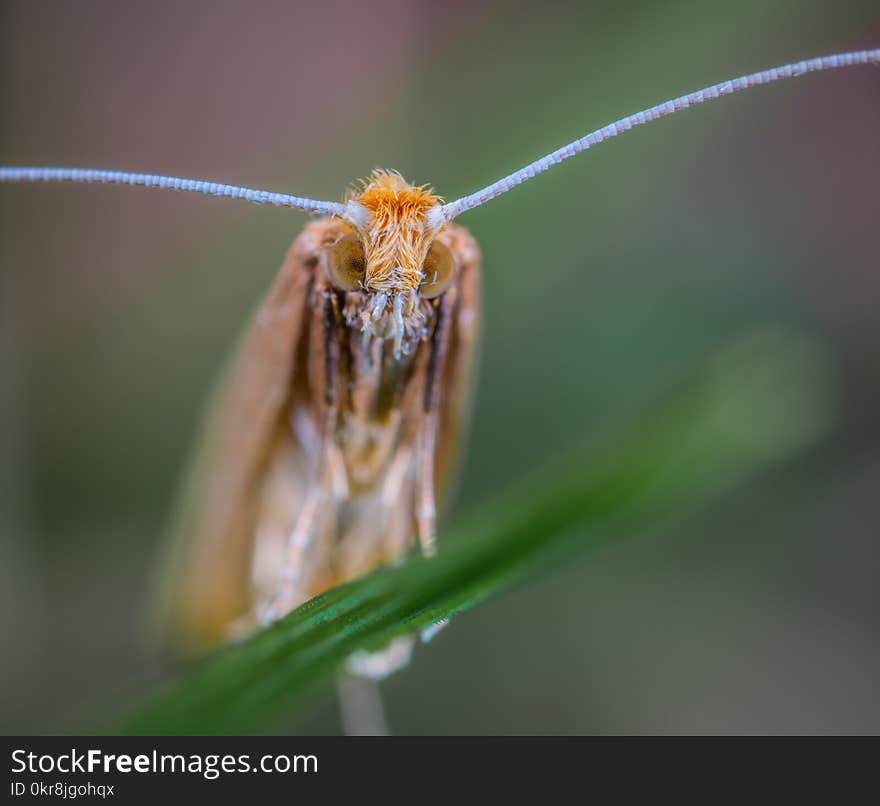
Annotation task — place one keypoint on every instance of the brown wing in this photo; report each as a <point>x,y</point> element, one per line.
<point>458,374</point>
<point>208,586</point>
<point>244,478</point>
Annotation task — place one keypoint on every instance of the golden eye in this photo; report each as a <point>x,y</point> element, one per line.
<point>437,271</point>
<point>348,263</point>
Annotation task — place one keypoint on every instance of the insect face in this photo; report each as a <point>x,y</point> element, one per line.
<point>392,260</point>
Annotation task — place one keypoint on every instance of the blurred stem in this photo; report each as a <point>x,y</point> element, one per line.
<point>360,706</point>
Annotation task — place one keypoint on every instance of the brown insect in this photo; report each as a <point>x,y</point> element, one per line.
<point>342,411</point>
<point>333,441</point>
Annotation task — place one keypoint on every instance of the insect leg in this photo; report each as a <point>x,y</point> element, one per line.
<point>330,475</point>
<point>426,507</point>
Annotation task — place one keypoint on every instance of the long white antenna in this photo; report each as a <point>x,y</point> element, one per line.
<point>456,208</point>
<point>15,174</point>
<point>453,209</point>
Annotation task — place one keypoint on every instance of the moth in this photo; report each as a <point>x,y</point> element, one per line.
<point>341,413</point>
<point>336,434</point>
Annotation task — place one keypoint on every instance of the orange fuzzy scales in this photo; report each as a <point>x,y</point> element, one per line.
<point>397,237</point>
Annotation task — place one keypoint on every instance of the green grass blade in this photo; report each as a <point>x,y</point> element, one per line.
<point>751,405</point>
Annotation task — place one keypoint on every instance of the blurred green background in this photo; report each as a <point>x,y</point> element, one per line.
<point>603,279</point>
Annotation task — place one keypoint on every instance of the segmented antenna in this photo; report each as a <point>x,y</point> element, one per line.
<point>459,206</point>
<point>456,208</point>
<point>170,183</point>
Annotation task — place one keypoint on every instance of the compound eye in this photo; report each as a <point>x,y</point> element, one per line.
<point>348,263</point>
<point>437,271</point>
